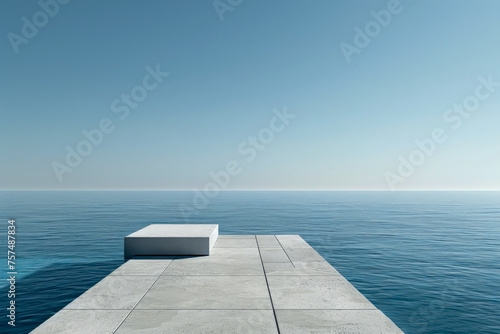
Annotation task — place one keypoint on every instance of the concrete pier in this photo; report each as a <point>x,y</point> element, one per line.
<point>248,284</point>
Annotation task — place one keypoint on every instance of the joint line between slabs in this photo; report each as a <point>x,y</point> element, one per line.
<point>284,250</point>
<point>133,308</point>
<point>268,289</point>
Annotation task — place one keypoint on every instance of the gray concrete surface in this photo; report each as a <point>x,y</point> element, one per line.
<point>248,284</point>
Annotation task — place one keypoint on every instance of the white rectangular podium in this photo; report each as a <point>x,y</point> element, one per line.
<point>171,239</point>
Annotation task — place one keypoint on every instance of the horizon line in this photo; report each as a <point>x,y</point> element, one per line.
<point>270,190</point>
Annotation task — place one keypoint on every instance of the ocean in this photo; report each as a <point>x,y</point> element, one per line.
<point>429,260</point>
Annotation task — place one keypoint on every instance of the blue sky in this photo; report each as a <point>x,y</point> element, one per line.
<point>353,122</point>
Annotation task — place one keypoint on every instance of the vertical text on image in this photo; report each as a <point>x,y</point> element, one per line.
<point>11,273</point>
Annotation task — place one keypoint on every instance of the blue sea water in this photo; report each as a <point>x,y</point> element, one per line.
<point>429,260</point>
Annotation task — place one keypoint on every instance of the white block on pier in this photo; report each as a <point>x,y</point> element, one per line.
<point>171,239</point>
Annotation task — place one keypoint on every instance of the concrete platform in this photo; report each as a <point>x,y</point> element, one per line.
<point>171,239</point>
<point>248,284</point>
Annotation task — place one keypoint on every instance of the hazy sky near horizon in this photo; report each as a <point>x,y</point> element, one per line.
<point>430,74</point>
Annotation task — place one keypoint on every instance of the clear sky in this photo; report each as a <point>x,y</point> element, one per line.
<point>354,91</point>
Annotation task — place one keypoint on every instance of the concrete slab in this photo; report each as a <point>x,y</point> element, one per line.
<point>300,268</point>
<point>113,293</point>
<point>235,236</point>
<point>226,254</point>
<point>268,241</point>
<point>292,241</point>
<point>143,267</point>
<point>303,254</point>
<point>171,239</point>
<point>231,267</point>
<point>335,321</point>
<point>315,292</point>
<point>236,243</point>
<point>207,293</point>
<point>274,255</point>
<point>222,261</point>
<point>199,321</point>
<point>82,322</point>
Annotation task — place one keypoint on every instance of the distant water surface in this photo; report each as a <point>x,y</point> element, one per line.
<point>429,260</point>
